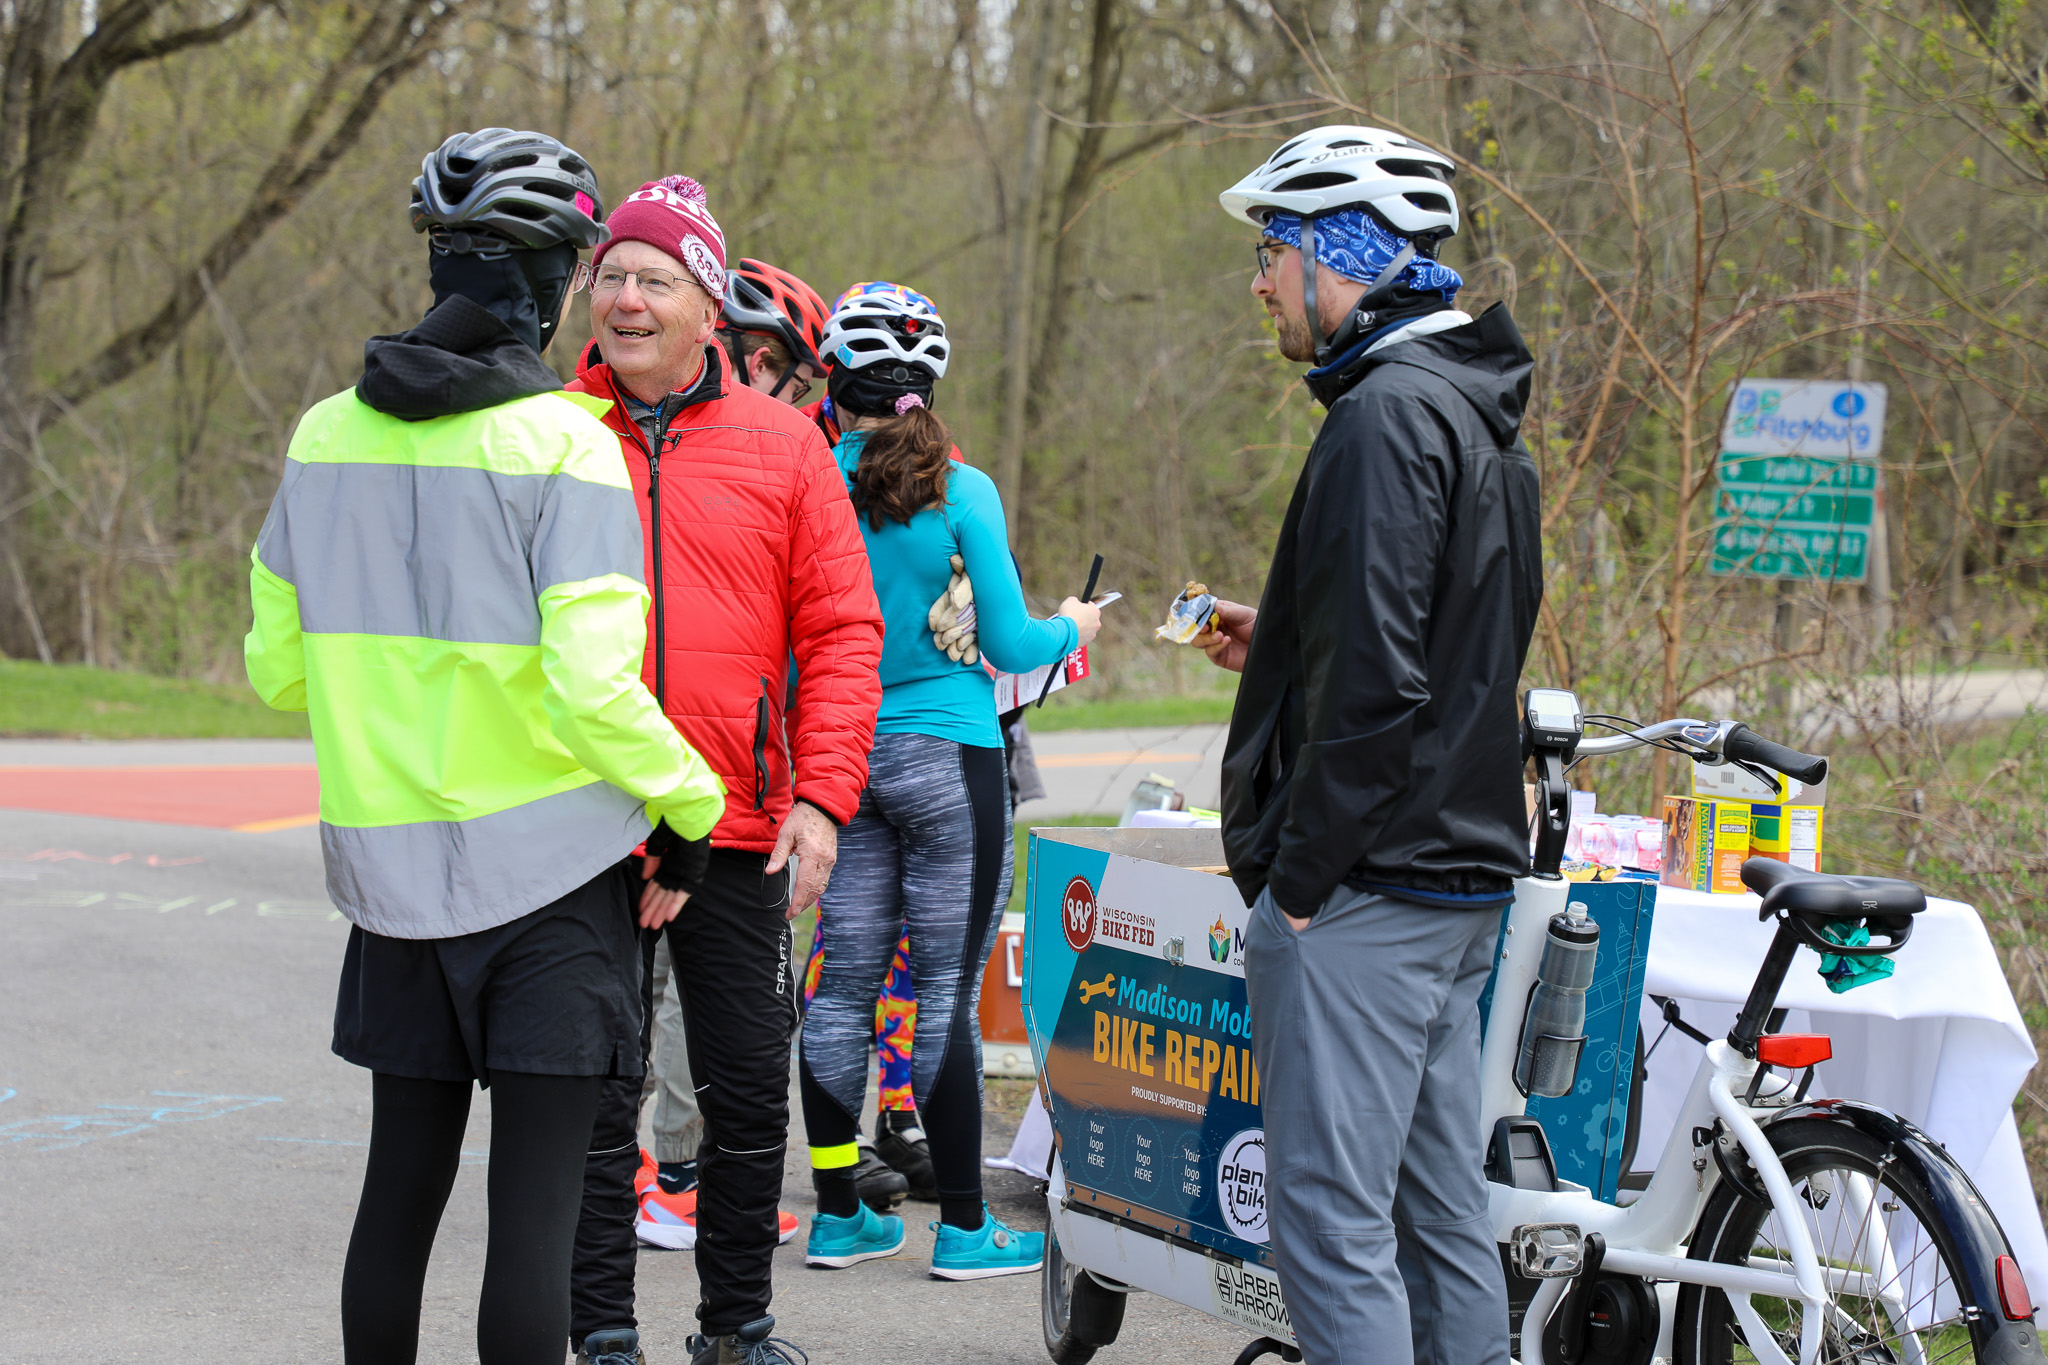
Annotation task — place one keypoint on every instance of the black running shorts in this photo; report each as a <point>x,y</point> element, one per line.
<point>555,992</point>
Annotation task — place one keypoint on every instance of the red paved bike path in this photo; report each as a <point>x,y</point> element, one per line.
<point>251,797</point>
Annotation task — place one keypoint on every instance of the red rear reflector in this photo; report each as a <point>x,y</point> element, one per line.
<point>1794,1050</point>
<point>2012,1291</point>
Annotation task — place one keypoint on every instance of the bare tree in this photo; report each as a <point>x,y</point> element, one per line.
<point>58,61</point>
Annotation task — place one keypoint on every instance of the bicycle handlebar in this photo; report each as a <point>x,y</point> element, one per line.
<point>1745,744</point>
<point>1720,739</point>
<point>1635,739</point>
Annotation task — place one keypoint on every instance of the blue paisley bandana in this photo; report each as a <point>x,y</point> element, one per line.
<point>1357,248</point>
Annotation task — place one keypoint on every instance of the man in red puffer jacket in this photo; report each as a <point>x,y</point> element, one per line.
<point>752,556</point>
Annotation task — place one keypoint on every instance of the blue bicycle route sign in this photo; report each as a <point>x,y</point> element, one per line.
<point>1798,479</point>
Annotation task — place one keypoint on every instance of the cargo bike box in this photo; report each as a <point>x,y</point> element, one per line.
<point>1134,998</point>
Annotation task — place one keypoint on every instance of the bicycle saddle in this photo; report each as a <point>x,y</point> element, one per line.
<point>1818,897</point>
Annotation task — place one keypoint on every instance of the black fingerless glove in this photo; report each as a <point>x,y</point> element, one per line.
<point>684,862</point>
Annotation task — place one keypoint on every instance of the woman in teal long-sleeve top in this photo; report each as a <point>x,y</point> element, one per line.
<point>924,691</point>
<point>929,848</point>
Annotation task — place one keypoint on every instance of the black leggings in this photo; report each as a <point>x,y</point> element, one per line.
<point>540,1128</point>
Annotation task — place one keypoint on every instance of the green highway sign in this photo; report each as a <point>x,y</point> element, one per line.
<point>1786,506</point>
<point>1798,471</point>
<point>1798,479</point>
<point>1745,548</point>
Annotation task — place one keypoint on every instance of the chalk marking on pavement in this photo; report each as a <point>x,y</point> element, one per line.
<point>266,826</point>
<point>72,855</point>
<point>76,1130</point>
<point>11,1093</point>
<point>54,899</point>
<point>1112,759</point>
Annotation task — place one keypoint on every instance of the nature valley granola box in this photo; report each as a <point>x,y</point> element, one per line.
<point>1731,827</point>
<point>1705,842</point>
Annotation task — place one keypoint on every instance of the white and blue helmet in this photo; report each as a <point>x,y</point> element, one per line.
<point>1345,166</point>
<point>876,321</point>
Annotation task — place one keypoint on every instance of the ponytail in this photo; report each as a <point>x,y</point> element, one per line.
<point>904,465</point>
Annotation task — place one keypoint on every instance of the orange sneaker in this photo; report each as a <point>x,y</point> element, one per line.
<point>669,1220</point>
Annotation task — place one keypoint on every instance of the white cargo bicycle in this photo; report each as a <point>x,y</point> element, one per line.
<point>1774,1229</point>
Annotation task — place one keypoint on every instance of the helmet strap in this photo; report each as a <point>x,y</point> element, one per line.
<point>731,336</point>
<point>1310,268</point>
<point>1362,313</point>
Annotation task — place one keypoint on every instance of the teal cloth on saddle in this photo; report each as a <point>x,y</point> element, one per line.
<point>1843,973</point>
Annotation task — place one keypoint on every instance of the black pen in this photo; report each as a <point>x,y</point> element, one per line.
<point>1094,573</point>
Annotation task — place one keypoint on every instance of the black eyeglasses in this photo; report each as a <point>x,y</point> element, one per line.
<point>802,386</point>
<point>1264,251</point>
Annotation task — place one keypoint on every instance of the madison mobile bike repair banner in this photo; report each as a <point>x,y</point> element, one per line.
<point>1134,997</point>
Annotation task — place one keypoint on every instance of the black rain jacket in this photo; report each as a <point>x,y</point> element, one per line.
<point>1376,739</point>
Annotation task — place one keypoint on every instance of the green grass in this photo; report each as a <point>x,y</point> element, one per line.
<point>1061,712</point>
<point>1021,834</point>
<point>72,700</point>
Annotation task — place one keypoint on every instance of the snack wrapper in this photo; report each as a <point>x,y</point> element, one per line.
<point>1193,612</point>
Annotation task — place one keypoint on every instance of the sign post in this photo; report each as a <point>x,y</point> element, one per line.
<point>1798,480</point>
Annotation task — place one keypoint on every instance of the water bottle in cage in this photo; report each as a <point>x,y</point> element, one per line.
<point>1554,1030</point>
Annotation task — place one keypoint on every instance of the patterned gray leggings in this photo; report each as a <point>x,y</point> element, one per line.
<point>929,850</point>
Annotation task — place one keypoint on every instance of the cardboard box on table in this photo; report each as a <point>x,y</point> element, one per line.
<point>1135,1002</point>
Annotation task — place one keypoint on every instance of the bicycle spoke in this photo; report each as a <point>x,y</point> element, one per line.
<point>1886,1299</point>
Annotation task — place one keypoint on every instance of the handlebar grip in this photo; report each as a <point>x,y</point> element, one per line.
<point>1746,744</point>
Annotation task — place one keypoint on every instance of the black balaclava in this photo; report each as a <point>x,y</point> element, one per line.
<point>523,289</point>
<point>872,391</point>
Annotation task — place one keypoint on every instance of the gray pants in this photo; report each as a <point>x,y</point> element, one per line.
<point>1366,1029</point>
<point>678,1126</point>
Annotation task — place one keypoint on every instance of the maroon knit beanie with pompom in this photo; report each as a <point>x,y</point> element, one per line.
<point>671,213</point>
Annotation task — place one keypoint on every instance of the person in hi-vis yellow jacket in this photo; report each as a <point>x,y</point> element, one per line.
<point>449,585</point>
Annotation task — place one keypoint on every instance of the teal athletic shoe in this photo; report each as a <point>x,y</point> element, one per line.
<point>988,1251</point>
<point>840,1242</point>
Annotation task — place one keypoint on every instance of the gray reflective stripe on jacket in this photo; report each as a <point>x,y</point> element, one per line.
<point>451,802</point>
<point>442,553</point>
<point>426,880</point>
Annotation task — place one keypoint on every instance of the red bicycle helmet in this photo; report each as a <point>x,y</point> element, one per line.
<point>760,297</point>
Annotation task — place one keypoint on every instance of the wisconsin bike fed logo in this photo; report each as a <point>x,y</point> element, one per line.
<point>1077,914</point>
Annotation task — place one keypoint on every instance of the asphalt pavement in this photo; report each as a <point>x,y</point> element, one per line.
<point>180,1153</point>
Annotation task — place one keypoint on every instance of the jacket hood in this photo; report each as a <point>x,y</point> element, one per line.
<point>1485,360</point>
<point>460,358</point>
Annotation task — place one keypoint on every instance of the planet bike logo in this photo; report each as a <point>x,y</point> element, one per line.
<point>1241,1185</point>
<point>1077,913</point>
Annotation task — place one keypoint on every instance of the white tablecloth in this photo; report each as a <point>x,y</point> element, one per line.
<point>1939,1042</point>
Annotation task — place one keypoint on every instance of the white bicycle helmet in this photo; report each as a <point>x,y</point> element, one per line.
<point>1344,166</point>
<point>503,186</point>
<point>876,321</point>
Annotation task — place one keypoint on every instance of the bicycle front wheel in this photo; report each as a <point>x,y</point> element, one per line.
<point>1899,1285</point>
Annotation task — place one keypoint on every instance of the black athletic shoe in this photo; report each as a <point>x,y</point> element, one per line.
<point>882,1187</point>
<point>613,1346</point>
<point>907,1151</point>
<point>751,1345</point>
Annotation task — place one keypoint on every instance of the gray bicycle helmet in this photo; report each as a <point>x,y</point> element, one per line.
<point>512,188</point>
